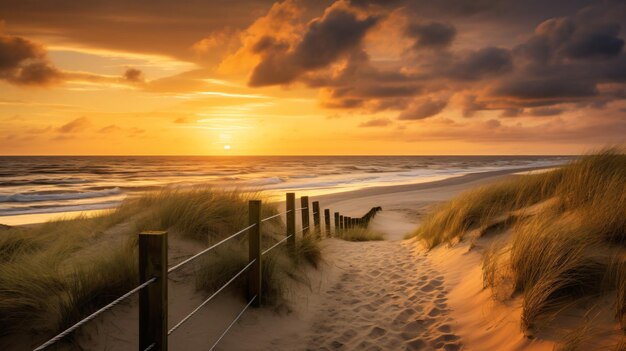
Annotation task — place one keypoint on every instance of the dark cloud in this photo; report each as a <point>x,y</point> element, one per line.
<point>597,43</point>
<point>327,38</point>
<point>423,109</point>
<point>23,62</point>
<point>134,75</point>
<point>74,126</point>
<point>483,63</point>
<point>431,35</point>
<point>377,122</point>
<point>537,88</point>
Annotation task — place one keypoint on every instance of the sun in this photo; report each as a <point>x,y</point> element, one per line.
<point>226,147</point>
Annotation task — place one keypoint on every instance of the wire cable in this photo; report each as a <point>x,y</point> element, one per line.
<point>232,323</point>
<point>171,269</point>
<point>274,216</point>
<point>94,315</point>
<point>274,246</point>
<point>210,297</point>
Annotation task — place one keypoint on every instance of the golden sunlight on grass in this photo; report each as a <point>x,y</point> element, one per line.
<point>567,230</point>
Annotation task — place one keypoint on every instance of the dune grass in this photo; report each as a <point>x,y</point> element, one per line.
<point>54,274</point>
<point>562,253</point>
<point>359,234</point>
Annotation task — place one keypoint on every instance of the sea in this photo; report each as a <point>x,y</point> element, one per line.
<point>31,185</point>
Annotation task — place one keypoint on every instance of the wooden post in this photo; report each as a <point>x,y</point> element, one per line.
<point>342,223</point>
<point>316,218</point>
<point>327,221</point>
<point>153,298</point>
<point>291,222</point>
<point>254,246</point>
<point>349,222</point>
<point>304,203</point>
<point>336,223</point>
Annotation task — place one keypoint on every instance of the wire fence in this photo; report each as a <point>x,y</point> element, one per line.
<point>254,262</point>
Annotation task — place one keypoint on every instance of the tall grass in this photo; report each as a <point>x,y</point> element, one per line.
<point>54,274</point>
<point>476,207</point>
<point>563,252</point>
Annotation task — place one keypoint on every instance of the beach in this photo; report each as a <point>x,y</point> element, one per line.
<point>391,294</point>
<point>381,295</point>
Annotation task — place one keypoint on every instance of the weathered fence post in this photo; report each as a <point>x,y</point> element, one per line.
<point>316,218</point>
<point>153,298</point>
<point>327,221</point>
<point>348,222</point>
<point>341,223</point>
<point>336,223</point>
<point>254,245</point>
<point>304,203</point>
<point>291,222</point>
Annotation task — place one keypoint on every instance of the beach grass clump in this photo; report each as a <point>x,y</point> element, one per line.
<point>554,262</point>
<point>54,274</point>
<point>278,269</point>
<point>308,250</point>
<point>360,234</point>
<point>561,251</point>
<point>451,220</point>
<point>594,183</point>
<point>202,214</point>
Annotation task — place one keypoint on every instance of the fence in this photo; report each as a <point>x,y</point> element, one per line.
<point>153,269</point>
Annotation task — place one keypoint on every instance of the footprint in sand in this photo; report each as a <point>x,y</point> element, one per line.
<point>396,302</point>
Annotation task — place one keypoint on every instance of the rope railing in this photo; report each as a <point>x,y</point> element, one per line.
<point>153,264</point>
<point>275,245</point>
<point>274,216</point>
<point>232,323</point>
<point>93,315</point>
<point>210,298</point>
<point>171,269</point>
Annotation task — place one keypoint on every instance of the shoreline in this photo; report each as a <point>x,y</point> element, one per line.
<point>329,198</point>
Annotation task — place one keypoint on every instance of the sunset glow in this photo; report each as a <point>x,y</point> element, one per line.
<point>316,78</point>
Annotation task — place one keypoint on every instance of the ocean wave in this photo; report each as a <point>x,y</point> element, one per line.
<point>266,181</point>
<point>43,181</point>
<point>46,196</point>
<point>58,209</point>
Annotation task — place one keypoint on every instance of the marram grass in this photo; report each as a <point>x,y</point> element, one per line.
<point>54,274</point>
<point>562,252</point>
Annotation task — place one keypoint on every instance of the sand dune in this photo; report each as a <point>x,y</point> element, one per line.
<point>388,295</point>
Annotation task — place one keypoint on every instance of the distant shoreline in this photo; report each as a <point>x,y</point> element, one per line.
<point>341,194</point>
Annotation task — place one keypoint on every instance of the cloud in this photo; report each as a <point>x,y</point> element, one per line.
<point>74,126</point>
<point>545,111</point>
<point>110,129</point>
<point>377,122</point>
<point>482,63</point>
<point>545,88</point>
<point>326,39</point>
<point>134,75</point>
<point>423,109</point>
<point>26,63</point>
<point>431,35</point>
<point>23,62</point>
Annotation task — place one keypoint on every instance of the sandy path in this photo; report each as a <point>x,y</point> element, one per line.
<point>387,298</point>
<point>385,295</point>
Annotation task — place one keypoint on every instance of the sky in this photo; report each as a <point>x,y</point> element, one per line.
<point>304,77</point>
